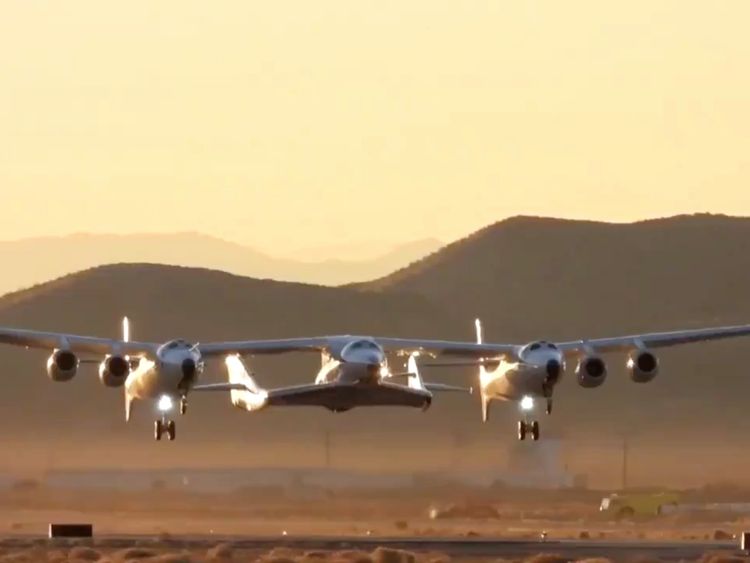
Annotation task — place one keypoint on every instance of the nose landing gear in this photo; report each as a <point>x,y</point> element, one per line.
<point>528,429</point>
<point>183,405</point>
<point>164,426</point>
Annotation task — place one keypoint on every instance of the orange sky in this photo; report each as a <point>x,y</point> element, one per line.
<point>291,124</point>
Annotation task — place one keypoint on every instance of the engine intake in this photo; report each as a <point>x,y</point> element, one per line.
<point>113,371</point>
<point>591,372</point>
<point>62,365</point>
<point>643,366</point>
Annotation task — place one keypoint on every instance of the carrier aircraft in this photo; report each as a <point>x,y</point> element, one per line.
<point>355,369</point>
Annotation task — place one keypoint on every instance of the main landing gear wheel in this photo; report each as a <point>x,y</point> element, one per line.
<point>535,430</point>
<point>167,427</point>
<point>549,406</point>
<point>528,428</point>
<point>183,405</point>
<point>521,430</point>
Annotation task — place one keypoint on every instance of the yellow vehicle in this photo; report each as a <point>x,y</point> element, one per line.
<point>623,506</point>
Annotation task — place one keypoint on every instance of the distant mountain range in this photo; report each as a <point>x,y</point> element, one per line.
<point>36,260</point>
<point>526,277</point>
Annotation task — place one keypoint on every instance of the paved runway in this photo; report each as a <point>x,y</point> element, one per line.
<point>456,547</point>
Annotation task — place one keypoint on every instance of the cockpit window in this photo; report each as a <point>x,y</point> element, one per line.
<point>363,345</point>
<point>552,346</point>
<point>535,346</point>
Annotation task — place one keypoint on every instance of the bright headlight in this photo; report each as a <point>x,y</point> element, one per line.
<point>527,403</point>
<point>165,403</point>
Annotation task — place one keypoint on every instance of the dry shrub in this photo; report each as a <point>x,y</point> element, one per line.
<point>280,555</point>
<point>18,557</point>
<point>547,558</point>
<point>220,551</point>
<point>57,556</point>
<point>401,525</point>
<point>82,553</point>
<point>171,558</point>
<point>314,556</point>
<point>584,535</point>
<point>32,554</point>
<point>386,555</point>
<point>134,553</point>
<point>721,535</point>
<point>719,557</point>
<point>350,556</point>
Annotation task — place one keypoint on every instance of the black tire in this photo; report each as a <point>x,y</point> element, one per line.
<point>535,430</point>
<point>521,430</point>
<point>158,430</point>
<point>549,407</point>
<point>171,430</point>
<point>183,406</point>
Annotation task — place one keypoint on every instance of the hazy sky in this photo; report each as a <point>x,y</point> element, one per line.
<point>292,124</point>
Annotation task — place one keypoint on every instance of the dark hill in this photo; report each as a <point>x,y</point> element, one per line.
<point>531,277</point>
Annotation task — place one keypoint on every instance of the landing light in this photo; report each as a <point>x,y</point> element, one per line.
<point>165,403</point>
<point>527,403</point>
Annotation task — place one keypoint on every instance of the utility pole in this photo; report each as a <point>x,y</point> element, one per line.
<point>625,460</point>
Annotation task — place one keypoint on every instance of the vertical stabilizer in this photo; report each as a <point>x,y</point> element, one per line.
<point>128,406</point>
<point>415,379</point>
<point>250,396</point>
<point>128,398</point>
<point>482,374</point>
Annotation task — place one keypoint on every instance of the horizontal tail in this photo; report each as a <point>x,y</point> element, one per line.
<point>416,381</point>
<point>243,390</point>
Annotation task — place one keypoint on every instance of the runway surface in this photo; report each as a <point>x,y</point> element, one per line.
<point>455,547</point>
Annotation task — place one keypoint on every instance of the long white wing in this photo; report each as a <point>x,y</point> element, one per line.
<point>76,343</point>
<point>654,339</point>
<point>319,343</point>
<point>449,347</point>
<point>249,347</point>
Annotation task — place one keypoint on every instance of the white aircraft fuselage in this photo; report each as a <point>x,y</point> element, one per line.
<point>354,373</point>
<point>358,360</point>
<point>176,368</point>
<point>534,374</point>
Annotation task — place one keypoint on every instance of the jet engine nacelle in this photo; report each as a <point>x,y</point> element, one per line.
<point>62,365</point>
<point>643,366</point>
<point>113,371</point>
<point>591,372</point>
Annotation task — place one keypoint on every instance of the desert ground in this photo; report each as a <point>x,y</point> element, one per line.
<point>164,525</point>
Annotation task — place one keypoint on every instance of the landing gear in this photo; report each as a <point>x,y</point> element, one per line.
<point>549,406</point>
<point>528,429</point>
<point>183,405</point>
<point>164,426</point>
<point>521,430</point>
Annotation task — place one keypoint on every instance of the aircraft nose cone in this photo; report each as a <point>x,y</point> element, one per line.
<point>554,368</point>
<point>188,368</point>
